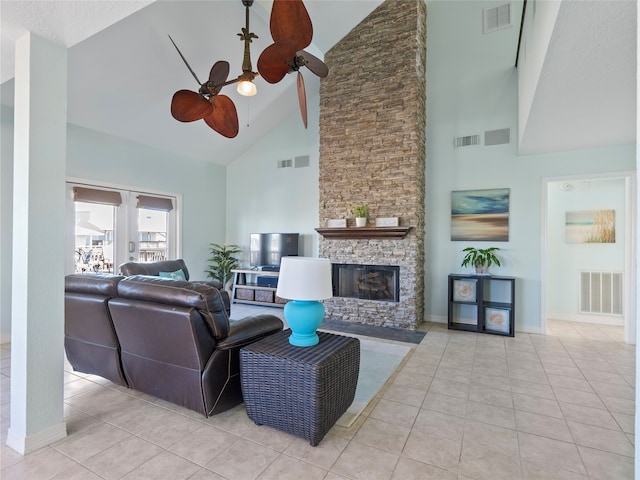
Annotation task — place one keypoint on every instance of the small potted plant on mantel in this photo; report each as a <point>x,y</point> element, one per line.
<point>360,212</point>
<point>480,258</point>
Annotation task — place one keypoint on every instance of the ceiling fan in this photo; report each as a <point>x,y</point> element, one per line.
<point>292,31</point>
<point>217,110</point>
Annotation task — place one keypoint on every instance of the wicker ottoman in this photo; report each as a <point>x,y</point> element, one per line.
<point>300,390</point>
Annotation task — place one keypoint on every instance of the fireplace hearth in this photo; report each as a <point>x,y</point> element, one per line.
<point>367,282</point>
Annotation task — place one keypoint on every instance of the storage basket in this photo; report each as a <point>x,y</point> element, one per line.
<point>244,294</point>
<point>264,296</point>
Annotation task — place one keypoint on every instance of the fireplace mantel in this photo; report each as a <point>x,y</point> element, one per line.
<point>354,233</point>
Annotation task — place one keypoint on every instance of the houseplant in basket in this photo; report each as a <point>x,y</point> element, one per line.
<point>480,258</point>
<point>360,212</point>
<point>222,261</point>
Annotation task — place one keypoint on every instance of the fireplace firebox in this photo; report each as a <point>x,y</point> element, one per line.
<point>368,282</point>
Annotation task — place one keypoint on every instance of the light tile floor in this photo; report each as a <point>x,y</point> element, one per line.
<point>462,406</point>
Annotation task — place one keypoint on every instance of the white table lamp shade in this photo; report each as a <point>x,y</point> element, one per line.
<point>305,278</point>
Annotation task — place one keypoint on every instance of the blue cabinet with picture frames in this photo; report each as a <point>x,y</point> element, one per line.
<point>482,303</point>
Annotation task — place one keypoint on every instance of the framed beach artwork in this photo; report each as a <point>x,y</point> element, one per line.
<point>480,215</point>
<point>590,226</point>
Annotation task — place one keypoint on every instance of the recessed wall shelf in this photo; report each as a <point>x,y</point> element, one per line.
<point>354,233</point>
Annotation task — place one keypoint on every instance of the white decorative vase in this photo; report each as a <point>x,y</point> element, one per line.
<point>482,270</point>
<point>361,221</point>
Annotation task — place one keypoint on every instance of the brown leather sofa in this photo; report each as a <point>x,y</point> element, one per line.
<point>89,337</point>
<point>154,269</point>
<point>176,341</point>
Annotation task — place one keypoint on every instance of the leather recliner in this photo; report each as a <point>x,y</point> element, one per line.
<point>154,269</point>
<point>90,340</point>
<point>178,344</point>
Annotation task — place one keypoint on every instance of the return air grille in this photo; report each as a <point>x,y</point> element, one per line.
<point>497,18</point>
<point>601,292</point>
<point>468,141</point>
<point>497,137</point>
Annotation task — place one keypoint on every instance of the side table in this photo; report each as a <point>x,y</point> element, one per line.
<point>300,390</point>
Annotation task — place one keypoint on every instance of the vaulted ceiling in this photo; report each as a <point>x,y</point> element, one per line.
<point>123,70</point>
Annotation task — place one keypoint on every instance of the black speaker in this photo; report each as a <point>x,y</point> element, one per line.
<point>267,281</point>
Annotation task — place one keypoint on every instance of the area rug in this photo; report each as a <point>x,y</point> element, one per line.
<point>378,361</point>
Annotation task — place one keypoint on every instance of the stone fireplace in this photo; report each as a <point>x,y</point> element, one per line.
<point>372,151</point>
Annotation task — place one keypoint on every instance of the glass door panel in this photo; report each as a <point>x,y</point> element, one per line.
<point>152,235</point>
<point>107,227</point>
<point>94,229</point>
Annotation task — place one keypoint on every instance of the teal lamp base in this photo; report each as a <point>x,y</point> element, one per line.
<point>303,317</point>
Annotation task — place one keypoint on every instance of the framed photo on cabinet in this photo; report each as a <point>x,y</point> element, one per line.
<point>464,290</point>
<point>497,320</point>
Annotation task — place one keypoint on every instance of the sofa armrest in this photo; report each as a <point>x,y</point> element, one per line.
<point>248,330</point>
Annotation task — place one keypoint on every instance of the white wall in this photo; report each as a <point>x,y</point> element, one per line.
<point>95,156</point>
<point>6,220</point>
<point>469,93</point>
<point>565,260</point>
<point>262,198</point>
<point>538,28</point>
<point>92,155</point>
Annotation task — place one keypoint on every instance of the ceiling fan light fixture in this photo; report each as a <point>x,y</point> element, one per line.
<point>247,88</point>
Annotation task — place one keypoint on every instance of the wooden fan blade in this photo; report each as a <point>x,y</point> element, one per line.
<point>185,61</point>
<point>302,98</point>
<point>273,63</point>
<point>314,64</point>
<point>290,21</point>
<point>188,106</point>
<point>224,117</point>
<point>219,72</point>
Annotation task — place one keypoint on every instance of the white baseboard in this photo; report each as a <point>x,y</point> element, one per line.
<point>527,329</point>
<point>436,318</point>
<point>25,445</point>
<point>588,318</point>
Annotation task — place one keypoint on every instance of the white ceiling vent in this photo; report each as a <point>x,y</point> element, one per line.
<point>288,163</point>
<point>497,137</point>
<point>497,18</point>
<point>468,141</point>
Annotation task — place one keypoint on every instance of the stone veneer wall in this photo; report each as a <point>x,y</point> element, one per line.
<point>372,151</point>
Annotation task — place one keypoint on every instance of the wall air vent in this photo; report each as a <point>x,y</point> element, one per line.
<point>497,137</point>
<point>468,141</point>
<point>601,292</point>
<point>288,163</point>
<point>301,162</point>
<point>497,18</point>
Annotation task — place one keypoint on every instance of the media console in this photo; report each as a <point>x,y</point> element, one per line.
<point>256,287</point>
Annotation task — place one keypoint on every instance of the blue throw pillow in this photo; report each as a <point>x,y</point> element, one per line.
<point>177,275</point>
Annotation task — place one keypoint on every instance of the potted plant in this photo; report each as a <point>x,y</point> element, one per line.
<point>480,258</point>
<point>360,212</point>
<point>222,261</point>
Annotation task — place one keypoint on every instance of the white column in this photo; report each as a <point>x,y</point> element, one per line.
<point>37,326</point>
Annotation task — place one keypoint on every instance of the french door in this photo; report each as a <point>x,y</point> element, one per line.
<point>107,227</point>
